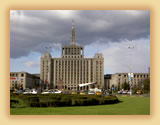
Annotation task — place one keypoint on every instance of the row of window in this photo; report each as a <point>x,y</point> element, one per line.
<point>16,75</point>
<point>75,62</point>
<point>145,76</point>
<point>71,62</point>
<point>73,56</point>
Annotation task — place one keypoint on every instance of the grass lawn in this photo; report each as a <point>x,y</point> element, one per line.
<point>129,105</point>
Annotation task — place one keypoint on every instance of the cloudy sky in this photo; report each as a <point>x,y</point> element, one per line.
<point>107,31</point>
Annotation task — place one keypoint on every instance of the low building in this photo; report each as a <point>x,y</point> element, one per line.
<point>118,79</point>
<point>23,80</point>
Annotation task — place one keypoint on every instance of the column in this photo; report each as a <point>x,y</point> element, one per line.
<point>67,75</point>
<point>89,70</point>
<point>76,73</point>
<point>57,72</point>
<point>79,71</point>
<point>82,71</point>
<point>61,71</point>
<point>54,72</point>
<point>73,70</point>
<point>70,72</point>
<point>64,79</point>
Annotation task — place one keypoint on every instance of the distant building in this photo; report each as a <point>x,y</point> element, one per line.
<point>72,68</point>
<point>118,79</point>
<point>23,80</point>
<point>107,80</point>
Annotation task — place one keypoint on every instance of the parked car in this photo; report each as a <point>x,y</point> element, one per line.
<point>129,92</point>
<point>139,92</point>
<point>19,92</point>
<point>82,93</point>
<point>47,92</point>
<point>26,91</point>
<point>74,92</point>
<point>32,91</point>
<point>91,92</point>
<point>124,92</point>
<point>56,91</point>
<point>98,93</point>
<point>119,92</point>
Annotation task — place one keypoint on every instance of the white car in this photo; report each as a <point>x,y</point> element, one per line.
<point>56,91</point>
<point>129,92</point>
<point>32,91</point>
<point>91,92</point>
<point>48,92</point>
<point>124,92</point>
<point>119,92</point>
<point>26,91</point>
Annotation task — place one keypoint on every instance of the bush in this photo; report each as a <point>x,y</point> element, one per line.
<point>55,100</point>
<point>65,101</point>
<point>13,102</point>
<point>17,103</point>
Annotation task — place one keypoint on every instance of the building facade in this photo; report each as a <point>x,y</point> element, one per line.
<point>118,79</point>
<point>23,80</point>
<point>72,68</point>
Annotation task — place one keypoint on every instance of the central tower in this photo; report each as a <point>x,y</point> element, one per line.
<point>73,34</point>
<point>72,50</point>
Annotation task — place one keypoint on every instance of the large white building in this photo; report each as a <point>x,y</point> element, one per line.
<point>72,68</point>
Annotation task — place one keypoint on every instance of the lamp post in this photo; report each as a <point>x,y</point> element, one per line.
<point>130,74</point>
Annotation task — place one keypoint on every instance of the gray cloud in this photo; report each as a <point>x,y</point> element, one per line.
<point>118,58</point>
<point>33,30</point>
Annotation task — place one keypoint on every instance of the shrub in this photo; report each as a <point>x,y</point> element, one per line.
<point>65,100</point>
<point>13,102</point>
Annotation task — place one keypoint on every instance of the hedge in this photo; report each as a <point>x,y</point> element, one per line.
<point>58,100</point>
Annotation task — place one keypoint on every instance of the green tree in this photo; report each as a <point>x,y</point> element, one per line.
<point>125,86</point>
<point>146,85</point>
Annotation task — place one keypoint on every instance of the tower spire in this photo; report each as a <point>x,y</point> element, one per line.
<point>73,33</point>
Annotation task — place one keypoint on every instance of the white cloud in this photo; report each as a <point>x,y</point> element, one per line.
<point>32,64</point>
<point>133,12</point>
<point>63,13</point>
<point>100,25</point>
<point>20,17</point>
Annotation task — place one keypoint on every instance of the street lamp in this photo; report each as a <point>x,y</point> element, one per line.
<point>130,74</point>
